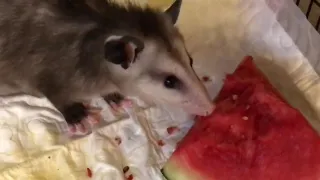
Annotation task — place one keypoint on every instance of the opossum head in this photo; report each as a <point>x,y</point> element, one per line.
<point>155,65</point>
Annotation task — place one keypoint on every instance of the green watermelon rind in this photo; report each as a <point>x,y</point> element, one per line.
<point>171,171</point>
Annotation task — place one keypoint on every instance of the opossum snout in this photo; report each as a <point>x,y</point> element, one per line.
<point>200,110</point>
<point>205,110</point>
<point>201,103</point>
<point>208,110</point>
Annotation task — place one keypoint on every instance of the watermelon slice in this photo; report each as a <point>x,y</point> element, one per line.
<point>253,134</point>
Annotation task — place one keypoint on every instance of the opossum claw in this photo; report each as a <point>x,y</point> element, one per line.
<point>117,102</point>
<point>80,117</point>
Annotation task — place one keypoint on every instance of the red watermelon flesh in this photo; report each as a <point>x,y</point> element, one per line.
<point>253,134</point>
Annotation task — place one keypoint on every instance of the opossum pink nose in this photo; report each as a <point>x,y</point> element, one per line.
<point>209,109</point>
<point>204,110</point>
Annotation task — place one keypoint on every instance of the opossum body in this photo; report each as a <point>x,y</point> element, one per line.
<point>73,50</point>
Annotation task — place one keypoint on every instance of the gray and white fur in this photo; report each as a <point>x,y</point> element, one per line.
<point>73,50</point>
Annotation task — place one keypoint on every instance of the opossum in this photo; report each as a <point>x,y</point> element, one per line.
<point>71,51</point>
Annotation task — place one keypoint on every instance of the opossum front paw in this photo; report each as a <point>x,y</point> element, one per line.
<point>80,116</point>
<point>117,102</point>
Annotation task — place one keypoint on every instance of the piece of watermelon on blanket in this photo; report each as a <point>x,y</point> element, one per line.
<point>253,134</point>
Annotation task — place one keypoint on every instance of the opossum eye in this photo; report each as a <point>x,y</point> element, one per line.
<point>171,82</point>
<point>191,61</point>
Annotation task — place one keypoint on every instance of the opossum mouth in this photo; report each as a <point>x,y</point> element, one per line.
<point>197,110</point>
<point>192,108</point>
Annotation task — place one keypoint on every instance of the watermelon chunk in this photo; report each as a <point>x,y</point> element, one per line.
<point>253,134</point>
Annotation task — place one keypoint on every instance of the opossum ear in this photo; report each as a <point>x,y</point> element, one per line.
<point>122,50</point>
<point>174,10</point>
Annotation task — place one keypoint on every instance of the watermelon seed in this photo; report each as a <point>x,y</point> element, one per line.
<point>126,169</point>
<point>89,172</point>
<point>245,118</point>
<point>172,129</point>
<point>118,140</point>
<point>130,177</point>
<point>160,143</point>
<point>247,107</point>
<point>234,97</point>
<point>205,78</point>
